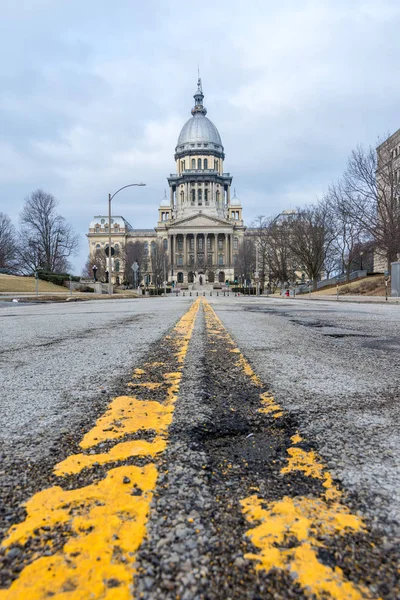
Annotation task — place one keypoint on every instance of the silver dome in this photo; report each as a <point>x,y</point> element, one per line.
<point>199,129</point>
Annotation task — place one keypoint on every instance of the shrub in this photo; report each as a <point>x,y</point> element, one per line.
<point>56,278</point>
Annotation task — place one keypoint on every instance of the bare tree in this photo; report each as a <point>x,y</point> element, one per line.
<point>349,232</point>
<point>373,197</point>
<point>135,252</point>
<point>246,259</point>
<point>47,241</point>
<point>99,260</point>
<point>261,233</point>
<point>8,245</point>
<point>159,263</point>
<point>312,234</point>
<point>280,260</point>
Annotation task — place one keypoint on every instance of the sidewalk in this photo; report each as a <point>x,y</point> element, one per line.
<point>348,298</point>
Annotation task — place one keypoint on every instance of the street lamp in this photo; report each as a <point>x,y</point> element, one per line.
<point>110,197</point>
<point>94,268</point>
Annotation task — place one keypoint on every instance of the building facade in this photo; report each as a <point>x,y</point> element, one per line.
<point>388,186</point>
<point>200,225</point>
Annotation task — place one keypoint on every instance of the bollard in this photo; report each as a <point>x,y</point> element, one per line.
<point>235,294</point>
<point>224,293</point>
<point>190,293</point>
<point>204,293</point>
<point>217,293</point>
<point>183,293</point>
<point>210,293</point>
<point>197,294</point>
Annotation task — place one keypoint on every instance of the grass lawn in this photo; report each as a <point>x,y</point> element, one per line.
<point>13,283</point>
<point>370,286</point>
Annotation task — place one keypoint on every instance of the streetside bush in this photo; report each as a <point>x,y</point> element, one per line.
<point>56,278</point>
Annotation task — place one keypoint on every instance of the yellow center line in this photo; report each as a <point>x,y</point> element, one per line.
<point>303,521</point>
<point>106,520</point>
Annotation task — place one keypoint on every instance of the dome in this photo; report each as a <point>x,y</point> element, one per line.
<point>235,200</point>
<point>199,129</point>
<point>199,132</point>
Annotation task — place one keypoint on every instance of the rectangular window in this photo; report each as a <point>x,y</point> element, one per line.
<point>220,245</point>
<point>191,244</point>
<point>220,259</point>
<point>180,261</point>
<point>200,243</point>
<point>208,243</point>
<point>180,244</point>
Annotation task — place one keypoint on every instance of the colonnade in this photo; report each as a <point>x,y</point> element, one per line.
<point>181,249</point>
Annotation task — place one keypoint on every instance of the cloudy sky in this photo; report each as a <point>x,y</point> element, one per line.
<point>93,95</point>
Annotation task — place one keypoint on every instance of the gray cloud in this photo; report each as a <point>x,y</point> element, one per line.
<point>93,96</point>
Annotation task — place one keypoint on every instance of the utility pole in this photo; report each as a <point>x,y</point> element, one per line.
<point>110,291</point>
<point>256,275</point>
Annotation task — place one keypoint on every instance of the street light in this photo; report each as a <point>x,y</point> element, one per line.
<point>110,291</point>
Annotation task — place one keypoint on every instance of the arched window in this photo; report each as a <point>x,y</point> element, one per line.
<point>193,196</point>
<point>103,221</point>
<point>162,216</point>
<point>237,214</point>
<point>199,163</point>
<point>193,163</point>
<point>146,247</point>
<point>235,243</point>
<point>98,246</point>
<point>165,244</point>
<point>97,229</point>
<point>182,197</point>
<point>215,165</point>
<point>206,196</point>
<point>199,196</point>
<point>182,165</point>
<point>217,195</point>
<point>153,247</point>
<point>205,163</point>
<point>117,266</point>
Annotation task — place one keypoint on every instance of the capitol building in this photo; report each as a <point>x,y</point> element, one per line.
<point>200,223</point>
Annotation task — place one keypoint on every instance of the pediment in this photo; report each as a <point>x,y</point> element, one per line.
<point>199,220</point>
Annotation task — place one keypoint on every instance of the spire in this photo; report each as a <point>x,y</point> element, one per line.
<point>199,96</point>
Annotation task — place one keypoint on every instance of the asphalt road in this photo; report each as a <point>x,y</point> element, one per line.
<point>286,408</point>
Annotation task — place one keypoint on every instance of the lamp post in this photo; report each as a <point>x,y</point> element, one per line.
<point>94,268</point>
<point>110,197</point>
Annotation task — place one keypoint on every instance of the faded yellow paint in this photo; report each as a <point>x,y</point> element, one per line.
<point>147,384</point>
<point>306,520</point>
<point>296,439</point>
<point>128,415</point>
<point>311,465</point>
<point>269,406</point>
<point>107,519</point>
<point>138,372</point>
<point>77,462</point>
<point>107,524</point>
<point>214,326</point>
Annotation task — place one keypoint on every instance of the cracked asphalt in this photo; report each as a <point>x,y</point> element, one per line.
<point>222,448</point>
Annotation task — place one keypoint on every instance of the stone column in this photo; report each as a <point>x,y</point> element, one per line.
<point>215,248</point>
<point>228,195</point>
<point>184,249</point>
<point>205,251</point>
<point>171,196</point>
<point>231,249</point>
<point>226,257</point>
<point>195,251</point>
